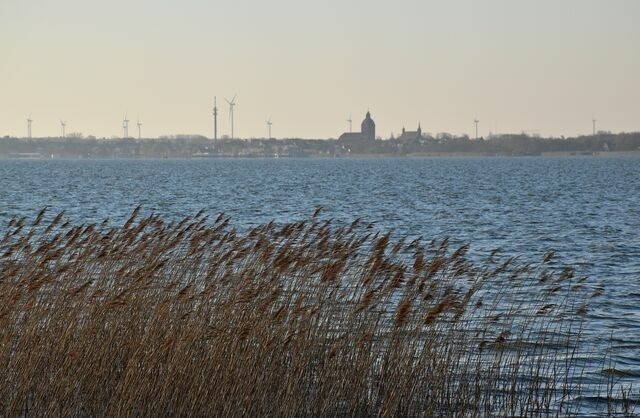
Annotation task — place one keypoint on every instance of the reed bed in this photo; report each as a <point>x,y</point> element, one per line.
<point>193,318</point>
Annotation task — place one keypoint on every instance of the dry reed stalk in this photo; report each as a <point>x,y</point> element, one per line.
<point>306,318</point>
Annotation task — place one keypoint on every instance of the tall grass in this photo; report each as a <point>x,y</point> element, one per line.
<point>193,318</point>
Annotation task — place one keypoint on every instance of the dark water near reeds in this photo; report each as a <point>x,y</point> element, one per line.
<point>585,209</point>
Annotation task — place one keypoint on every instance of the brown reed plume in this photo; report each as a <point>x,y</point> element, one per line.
<point>194,318</point>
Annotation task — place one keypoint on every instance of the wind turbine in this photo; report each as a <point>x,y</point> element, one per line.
<point>232,103</point>
<point>29,120</point>
<point>215,118</point>
<point>269,123</point>
<point>63,125</point>
<point>476,121</point>
<point>139,127</point>
<point>350,121</point>
<point>125,127</point>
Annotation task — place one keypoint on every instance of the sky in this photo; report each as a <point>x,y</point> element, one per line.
<point>543,66</point>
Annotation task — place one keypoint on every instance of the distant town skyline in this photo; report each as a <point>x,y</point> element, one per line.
<point>542,67</point>
<point>124,131</point>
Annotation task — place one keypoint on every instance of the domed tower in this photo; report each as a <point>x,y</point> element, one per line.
<point>368,128</point>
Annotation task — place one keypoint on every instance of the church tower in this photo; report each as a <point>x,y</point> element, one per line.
<point>368,128</point>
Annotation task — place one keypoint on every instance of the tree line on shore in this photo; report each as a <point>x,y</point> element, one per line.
<point>186,146</point>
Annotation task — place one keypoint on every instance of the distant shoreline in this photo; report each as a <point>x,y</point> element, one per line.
<point>543,154</point>
<point>186,147</point>
<point>324,157</point>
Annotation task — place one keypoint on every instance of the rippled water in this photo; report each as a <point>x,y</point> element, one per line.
<point>586,209</point>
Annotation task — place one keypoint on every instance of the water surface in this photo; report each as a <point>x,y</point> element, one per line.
<point>585,209</point>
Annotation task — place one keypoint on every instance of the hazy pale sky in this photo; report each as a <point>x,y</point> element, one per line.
<point>544,65</point>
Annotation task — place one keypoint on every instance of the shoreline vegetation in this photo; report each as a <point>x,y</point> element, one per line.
<point>442,145</point>
<point>194,318</point>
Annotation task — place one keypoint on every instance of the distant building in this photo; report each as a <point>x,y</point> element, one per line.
<point>410,136</point>
<point>366,135</point>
